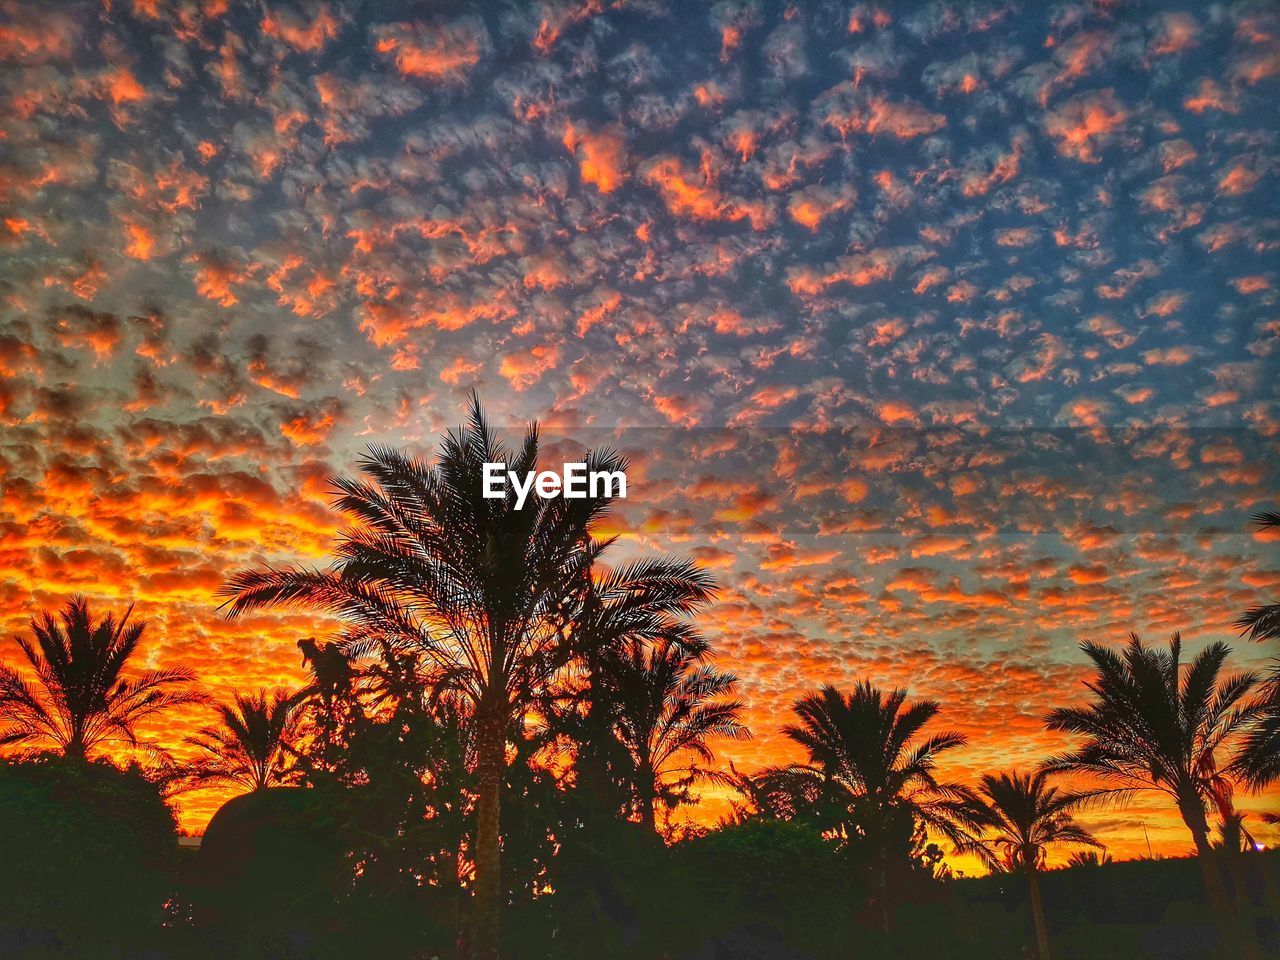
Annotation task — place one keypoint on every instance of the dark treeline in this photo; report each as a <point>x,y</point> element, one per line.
<point>487,758</point>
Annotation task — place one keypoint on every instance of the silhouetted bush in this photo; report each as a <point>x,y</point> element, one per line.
<point>88,854</point>
<point>768,884</point>
<point>269,878</point>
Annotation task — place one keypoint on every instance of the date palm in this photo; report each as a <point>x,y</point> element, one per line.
<point>1155,724</point>
<point>1258,762</point>
<point>1089,858</point>
<point>1263,621</point>
<point>870,767</point>
<point>1016,817</point>
<point>251,746</point>
<point>484,593</point>
<point>665,704</point>
<point>81,701</point>
<point>646,601</point>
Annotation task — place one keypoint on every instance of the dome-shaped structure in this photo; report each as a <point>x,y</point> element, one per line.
<point>268,866</point>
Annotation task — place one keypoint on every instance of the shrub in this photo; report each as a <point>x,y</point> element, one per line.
<point>89,853</point>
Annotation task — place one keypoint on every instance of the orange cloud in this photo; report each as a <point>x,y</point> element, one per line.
<point>524,368</point>
<point>602,156</point>
<point>849,110</point>
<point>309,429</point>
<point>860,270</point>
<point>303,36</point>
<point>140,243</point>
<point>1085,123</point>
<point>446,53</point>
<point>809,207</point>
<point>1209,96</point>
<point>685,196</point>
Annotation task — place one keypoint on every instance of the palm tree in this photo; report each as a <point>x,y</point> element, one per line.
<point>869,769</point>
<point>1017,817</point>
<point>487,595</point>
<point>80,701</point>
<point>1153,725</point>
<point>1258,762</point>
<point>665,704</point>
<point>252,746</point>
<point>646,601</point>
<point>1263,621</point>
<point>1089,858</point>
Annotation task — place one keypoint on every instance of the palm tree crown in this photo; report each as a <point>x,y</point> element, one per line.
<point>481,590</point>
<point>865,744</point>
<point>1018,816</point>
<point>1153,725</point>
<point>80,700</point>
<point>251,746</point>
<point>1258,762</point>
<point>1263,621</point>
<point>666,704</point>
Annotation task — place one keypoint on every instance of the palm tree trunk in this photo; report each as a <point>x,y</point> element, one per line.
<point>648,805</point>
<point>451,884</point>
<point>882,891</point>
<point>593,768</point>
<point>75,748</point>
<point>1235,869</point>
<point>1215,888</point>
<point>1037,914</point>
<point>486,936</point>
<point>1237,940</point>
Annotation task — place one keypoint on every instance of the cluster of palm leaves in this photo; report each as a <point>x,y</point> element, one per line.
<point>491,653</point>
<point>1260,764</point>
<point>78,699</point>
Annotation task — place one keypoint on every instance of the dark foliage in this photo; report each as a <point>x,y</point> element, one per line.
<point>88,853</point>
<point>268,879</point>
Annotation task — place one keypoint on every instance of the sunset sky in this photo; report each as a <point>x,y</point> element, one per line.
<point>946,334</point>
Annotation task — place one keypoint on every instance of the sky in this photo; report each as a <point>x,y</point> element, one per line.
<point>944,334</point>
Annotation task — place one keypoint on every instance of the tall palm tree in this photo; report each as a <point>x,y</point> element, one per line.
<point>81,701</point>
<point>1153,724</point>
<point>665,704</point>
<point>252,745</point>
<point>1263,621</point>
<point>485,593</point>
<point>869,767</point>
<point>1016,817</point>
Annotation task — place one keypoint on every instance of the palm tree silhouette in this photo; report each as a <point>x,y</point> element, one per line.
<point>1263,621</point>
<point>1258,762</point>
<point>1016,817</point>
<point>484,592</point>
<point>1153,725</point>
<point>665,704</point>
<point>1089,858</point>
<point>253,744</point>
<point>80,701</point>
<point>868,768</point>
<point>647,600</point>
